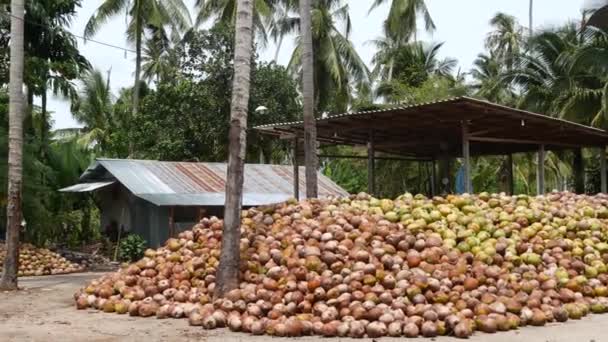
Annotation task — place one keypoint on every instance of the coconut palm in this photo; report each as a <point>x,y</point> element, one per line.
<point>308,99</point>
<point>557,79</point>
<point>487,74</point>
<point>224,11</point>
<point>228,269</point>
<point>337,65</point>
<point>141,14</point>
<point>94,110</point>
<point>402,21</point>
<point>410,66</point>
<point>15,148</point>
<point>506,40</point>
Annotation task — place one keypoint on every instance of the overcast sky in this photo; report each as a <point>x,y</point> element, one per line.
<point>462,25</point>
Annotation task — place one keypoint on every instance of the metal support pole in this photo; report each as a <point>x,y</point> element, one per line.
<point>540,173</point>
<point>371,180</point>
<point>604,187</point>
<point>433,178</point>
<point>510,179</point>
<point>466,156</point>
<point>296,171</point>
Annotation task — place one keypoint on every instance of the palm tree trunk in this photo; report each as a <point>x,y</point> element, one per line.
<point>531,18</point>
<point>138,33</point>
<point>15,149</point>
<point>228,270</point>
<point>308,94</point>
<point>44,128</point>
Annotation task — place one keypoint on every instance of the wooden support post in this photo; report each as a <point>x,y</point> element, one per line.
<point>604,181</point>
<point>433,178</point>
<point>171,222</point>
<point>579,171</point>
<point>371,164</point>
<point>510,179</point>
<point>466,156</point>
<point>296,170</point>
<point>444,170</point>
<point>540,172</point>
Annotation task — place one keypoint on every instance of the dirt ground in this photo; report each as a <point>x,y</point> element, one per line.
<point>44,311</point>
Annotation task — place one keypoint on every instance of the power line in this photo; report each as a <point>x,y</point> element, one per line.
<point>85,40</point>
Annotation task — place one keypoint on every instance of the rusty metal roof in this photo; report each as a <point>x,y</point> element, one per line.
<point>183,183</point>
<point>419,130</point>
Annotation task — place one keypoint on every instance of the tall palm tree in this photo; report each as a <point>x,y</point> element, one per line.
<point>224,11</point>
<point>402,21</point>
<point>555,78</point>
<point>337,65</point>
<point>229,266</point>
<point>15,148</point>
<point>488,84</point>
<point>142,14</point>
<point>531,18</point>
<point>94,110</point>
<point>308,99</point>
<point>410,66</point>
<point>506,40</point>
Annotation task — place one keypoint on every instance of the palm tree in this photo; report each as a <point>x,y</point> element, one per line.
<point>308,99</point>
<point>409,66</point>
<point>387,49</point>
<point>94,110</point>
<point>224,11</point>
<point>402,21</point>
<point>142,14</point>
<point>556,78</point>
<point>15,148</point>
<point>337,65</point>
<point>488,84</point>
<point>229,266</point>
<point>506,40</point>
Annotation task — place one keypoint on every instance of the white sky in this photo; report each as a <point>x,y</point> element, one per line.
<point>462,25</point>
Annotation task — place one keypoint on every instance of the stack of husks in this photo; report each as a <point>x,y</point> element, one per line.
<point>40,261</point>
<point>361,266</point>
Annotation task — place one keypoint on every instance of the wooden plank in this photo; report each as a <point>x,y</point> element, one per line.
<point>466,155</point>
<point>371,164</point>
<point>604,181</point>
<point>510,179</point>
<point>296,170</point>
<point>540,172</point>
<point>433,178</point>
<point>523,141</point>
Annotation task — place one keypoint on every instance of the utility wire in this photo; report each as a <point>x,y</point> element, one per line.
<point>85,40</point>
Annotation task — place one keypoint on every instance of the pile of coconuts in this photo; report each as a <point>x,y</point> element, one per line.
<point>364,267</point>
<point>35,261</point>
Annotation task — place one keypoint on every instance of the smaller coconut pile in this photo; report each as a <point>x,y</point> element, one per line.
<point>40,261</point>
<point>361,266</point>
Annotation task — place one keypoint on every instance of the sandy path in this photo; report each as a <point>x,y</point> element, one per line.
<point>45,311</point>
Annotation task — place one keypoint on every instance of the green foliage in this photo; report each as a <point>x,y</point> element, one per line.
<point>131,248</point>
<point>187,117</point>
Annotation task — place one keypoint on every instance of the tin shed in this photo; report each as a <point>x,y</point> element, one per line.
<point>158,199</point>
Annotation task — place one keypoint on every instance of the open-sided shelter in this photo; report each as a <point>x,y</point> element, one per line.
<point>157,199</point>
<point>453,128</point>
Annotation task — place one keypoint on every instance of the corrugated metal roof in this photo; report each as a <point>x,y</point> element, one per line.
<point>181,183</point>
<point>450,100</point>
<point>86,187</point>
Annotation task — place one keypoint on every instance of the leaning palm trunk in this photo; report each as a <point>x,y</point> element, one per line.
<point>310,128</point>
<point>228,271</point>
<point>15,149</point>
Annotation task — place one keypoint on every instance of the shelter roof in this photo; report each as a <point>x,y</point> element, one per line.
<point>428,130</point>
<point>196,184</point>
